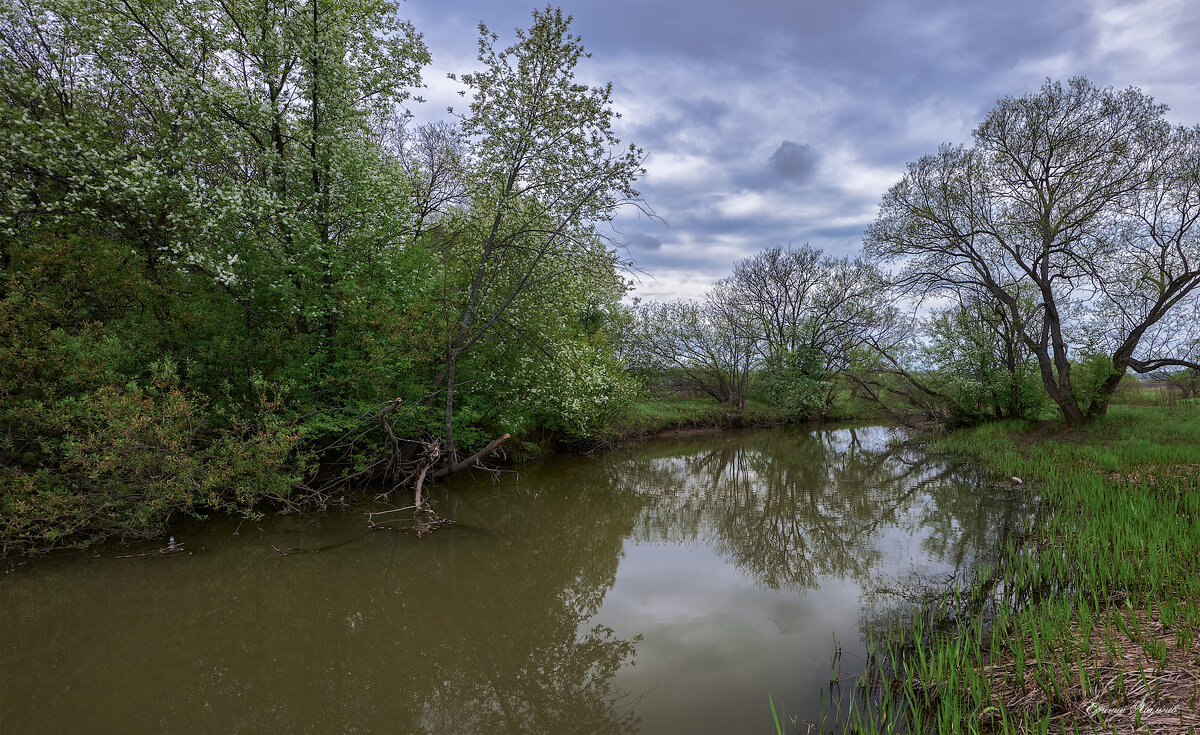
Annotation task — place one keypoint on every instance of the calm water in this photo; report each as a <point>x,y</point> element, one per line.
<point>667,589</point>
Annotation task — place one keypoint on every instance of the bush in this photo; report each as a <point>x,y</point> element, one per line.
<point>794,382</point>
<point>121,461</point>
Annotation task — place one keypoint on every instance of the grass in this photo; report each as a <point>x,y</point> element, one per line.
<point>657,414</point>
<point>1097,610</point>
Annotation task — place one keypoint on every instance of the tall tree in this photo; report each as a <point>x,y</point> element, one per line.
<point>1085,197</point>
<point>546,169</point>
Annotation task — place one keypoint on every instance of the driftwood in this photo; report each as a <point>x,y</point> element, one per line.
<point>426,518</point>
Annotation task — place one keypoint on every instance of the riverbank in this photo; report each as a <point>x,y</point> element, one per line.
<point>652,416</point>
<point>272,476</point>
<point>655,416</point>
<point>1096,611</point>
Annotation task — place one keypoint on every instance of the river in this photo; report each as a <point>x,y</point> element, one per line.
<point>667,588</point>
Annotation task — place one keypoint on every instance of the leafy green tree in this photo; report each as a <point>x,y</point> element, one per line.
<point>546,169</point>
<point>195,186</point>
<point>979,356</point>
<point>230,189</point>
<point>1186,381</point>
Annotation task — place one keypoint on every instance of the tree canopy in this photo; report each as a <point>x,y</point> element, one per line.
<point>233,269</point>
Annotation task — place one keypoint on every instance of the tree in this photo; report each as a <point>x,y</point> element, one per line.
<point>979,355</point>
<point>227,141</point>
<point>1084,197</point>
<point>708,343</point>
<point>1186,380</point>
<point>546,169</point>
<point>809,314</point>
<point>191,190</point>
<point>434,158</point>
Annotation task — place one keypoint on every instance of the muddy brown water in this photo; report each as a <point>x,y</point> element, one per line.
<point>664,589</point>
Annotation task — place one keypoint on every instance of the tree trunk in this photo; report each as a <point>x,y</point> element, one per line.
<point>451,365</point>
<point>1014,385</point>
<point>1099,405</point>
<point>457,466</point>
<point>1071,411</point>
<point>1056,378</point>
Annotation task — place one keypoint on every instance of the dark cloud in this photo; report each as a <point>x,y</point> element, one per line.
<point>793,161</point>
<point>854,89</point>
<point>640,241</point>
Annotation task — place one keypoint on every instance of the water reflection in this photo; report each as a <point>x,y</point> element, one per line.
<point>479,630</point>
<point>721,564</point>
<point>790,509</point>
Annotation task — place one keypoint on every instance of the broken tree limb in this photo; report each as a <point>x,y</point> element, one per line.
<point>427,519</point>
<point>420,482</point>
<point>474,459</point>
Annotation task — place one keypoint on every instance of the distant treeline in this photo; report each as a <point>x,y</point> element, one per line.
<point>1039,266</point>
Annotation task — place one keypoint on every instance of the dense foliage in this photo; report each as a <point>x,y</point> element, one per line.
<point>232,271</point>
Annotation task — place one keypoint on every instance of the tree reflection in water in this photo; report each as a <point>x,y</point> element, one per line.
<point>790,508</point>
<point>482,629</point>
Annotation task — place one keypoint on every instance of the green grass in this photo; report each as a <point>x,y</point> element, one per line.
<point>1111,564</point>
<point>656,414</point>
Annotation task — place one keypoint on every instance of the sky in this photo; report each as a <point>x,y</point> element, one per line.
<point>767,122</point>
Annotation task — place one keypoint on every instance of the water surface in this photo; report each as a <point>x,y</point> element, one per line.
<point>665,589</point>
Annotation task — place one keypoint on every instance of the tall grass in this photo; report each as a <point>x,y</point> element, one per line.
<point>1095,620</point>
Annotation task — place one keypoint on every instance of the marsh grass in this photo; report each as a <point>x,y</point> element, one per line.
<point>1096,610</point>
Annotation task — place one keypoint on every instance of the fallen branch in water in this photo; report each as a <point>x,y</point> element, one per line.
<point>427,520</point>
<point>471,461</point>
<point>171,548</point>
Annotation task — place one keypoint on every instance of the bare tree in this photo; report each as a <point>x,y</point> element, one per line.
<point>1085,197</point>
<point>433,157</point>
<point>708,343</point>
<point>778,288</point>
<point>811,312</point>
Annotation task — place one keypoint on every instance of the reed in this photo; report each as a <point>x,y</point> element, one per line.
<point>1096,610</point>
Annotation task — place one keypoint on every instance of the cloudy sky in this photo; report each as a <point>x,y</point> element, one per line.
<point>772,122</point>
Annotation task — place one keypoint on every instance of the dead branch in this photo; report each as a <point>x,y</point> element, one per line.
<point>420,482</point>
<point>427,520</point>
<point>471,461</point>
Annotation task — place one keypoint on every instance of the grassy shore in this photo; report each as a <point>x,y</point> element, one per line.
<point>1096,624</point>
<point>654,415</point>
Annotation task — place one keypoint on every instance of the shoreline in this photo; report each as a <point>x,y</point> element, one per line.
<point>1099,625</point>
